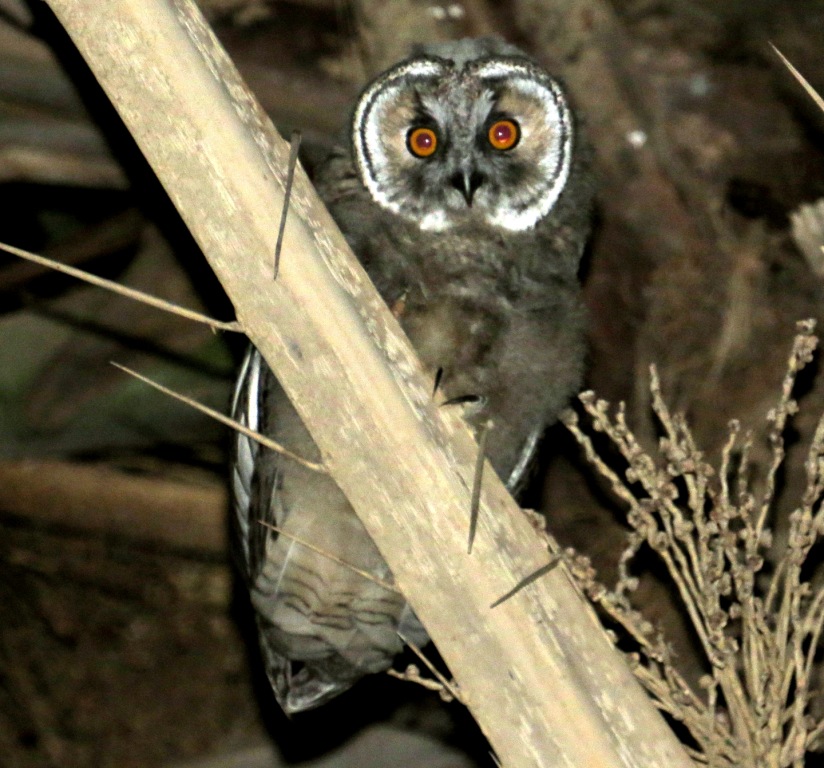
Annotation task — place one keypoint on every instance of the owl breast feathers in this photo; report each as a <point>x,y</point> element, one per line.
<point>466,194</point>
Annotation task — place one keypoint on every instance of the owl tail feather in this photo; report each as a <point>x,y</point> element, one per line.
<point>297,686</point>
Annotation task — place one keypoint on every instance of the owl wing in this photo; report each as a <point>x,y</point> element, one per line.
<point>321,625</point>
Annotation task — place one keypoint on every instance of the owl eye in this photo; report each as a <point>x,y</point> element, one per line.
<point>422,142</point>
<point>504,134</point>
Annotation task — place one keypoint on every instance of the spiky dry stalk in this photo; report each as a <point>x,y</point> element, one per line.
<point>758,628</point>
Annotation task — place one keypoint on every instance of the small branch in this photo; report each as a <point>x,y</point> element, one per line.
<point>122,290</point>
<point>812,92</point>
<point>107,237</point>
<point>217,416</point>
<point>413,675</point>
<point>433,669</point>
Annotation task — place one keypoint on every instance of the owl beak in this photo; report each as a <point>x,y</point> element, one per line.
<point>467,183</point>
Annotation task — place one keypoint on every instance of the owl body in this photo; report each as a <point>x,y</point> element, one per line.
<point>475,244</point>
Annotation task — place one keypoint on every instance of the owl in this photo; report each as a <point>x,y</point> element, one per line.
<point>465,191</point>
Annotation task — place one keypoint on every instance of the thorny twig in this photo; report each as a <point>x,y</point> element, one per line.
<point>294,147</point>
<point>554,562</point>
<point>122,290</point>
<point>266,442</point>
<point>475,502</point>
<point>811,92</point>
<point>759,630</point>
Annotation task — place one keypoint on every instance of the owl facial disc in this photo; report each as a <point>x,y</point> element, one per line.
<point>488,141</point>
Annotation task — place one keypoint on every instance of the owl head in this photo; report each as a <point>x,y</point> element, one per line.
<point>450,140</point>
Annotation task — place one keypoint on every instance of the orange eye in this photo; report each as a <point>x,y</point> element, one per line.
<point>504,134</point>
<point>422,142</point>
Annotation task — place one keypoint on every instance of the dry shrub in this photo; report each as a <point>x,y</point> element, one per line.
<point>756,613</point>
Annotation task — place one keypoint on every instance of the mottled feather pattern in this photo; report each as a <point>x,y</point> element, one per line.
<point>308,608</point>
<point>478,250</point>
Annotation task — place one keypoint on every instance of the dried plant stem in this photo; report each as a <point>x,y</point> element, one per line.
<point>122,290</point>
<point>813,94</point>
<point>413,675</point>
<point>330,556</point>
<point>760,632</point>
<point>266,442</point>
<point>450,687</point>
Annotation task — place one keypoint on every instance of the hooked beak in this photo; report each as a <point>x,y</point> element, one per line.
<point>467,183</point>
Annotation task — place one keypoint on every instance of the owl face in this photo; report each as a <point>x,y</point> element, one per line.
<point>445,144</point>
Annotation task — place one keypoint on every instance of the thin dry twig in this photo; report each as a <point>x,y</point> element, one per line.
<point>334,558</point>
<point>122,290</point>
<point>812,92</point>
<point>450,687</point>
<point>237,426</point>
<point>413,675</point>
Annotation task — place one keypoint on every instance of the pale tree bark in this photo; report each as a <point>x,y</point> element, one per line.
<point>537,672</point>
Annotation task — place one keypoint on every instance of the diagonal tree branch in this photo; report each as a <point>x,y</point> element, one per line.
<point>537,672</point>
